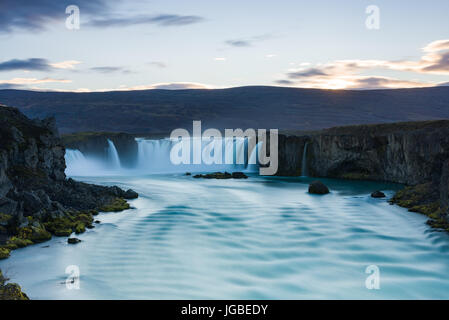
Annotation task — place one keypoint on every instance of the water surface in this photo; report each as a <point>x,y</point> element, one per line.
<point>261,238</point>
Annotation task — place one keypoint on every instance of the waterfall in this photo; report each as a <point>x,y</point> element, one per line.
<point>153,156</point>
<point>80,165</point>
<point>304,161</point>
<point>114,159</point>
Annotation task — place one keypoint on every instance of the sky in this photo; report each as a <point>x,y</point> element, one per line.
<point>178,44</point>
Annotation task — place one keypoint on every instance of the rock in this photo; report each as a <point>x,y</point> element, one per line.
<point>10,291</point>
<point>35,234</point>
<point>8,206</point>
<point>317,187</point>
<point>4,253</point>
<point>188,174</point>
<point>97,221</point>
<point>116,205</point>
<point>222,175</point>
<point>5,219</point>
<point>131,194</point>
<point>378,194</point>
<point>73,240</point>
<point>239,175</point>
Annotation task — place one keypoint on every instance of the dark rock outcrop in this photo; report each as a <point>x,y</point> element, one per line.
<point>36,199</point>
<point>317,187</point>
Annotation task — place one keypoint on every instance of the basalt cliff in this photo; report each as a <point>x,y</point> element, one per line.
<point>412,153</point>
<point>37,201</point>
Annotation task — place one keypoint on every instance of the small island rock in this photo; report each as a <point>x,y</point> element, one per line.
<point>378,194</point>
<point>317,187</point>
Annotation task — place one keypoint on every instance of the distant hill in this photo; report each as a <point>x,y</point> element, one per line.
<point>246,107</point>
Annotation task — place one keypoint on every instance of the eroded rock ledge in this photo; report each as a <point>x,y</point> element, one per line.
<point>36,199</point>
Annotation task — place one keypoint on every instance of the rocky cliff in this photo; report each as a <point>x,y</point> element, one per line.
<point>36,199</point>
<point>411,153</point>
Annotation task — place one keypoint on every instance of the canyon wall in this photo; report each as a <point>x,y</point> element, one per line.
<point>410,153</point>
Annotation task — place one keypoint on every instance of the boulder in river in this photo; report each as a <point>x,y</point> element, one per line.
<point>73,240</point>
<point>378,194</point>
<point>317,187</point>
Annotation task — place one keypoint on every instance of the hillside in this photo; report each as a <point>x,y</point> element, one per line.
<point>247,107</point>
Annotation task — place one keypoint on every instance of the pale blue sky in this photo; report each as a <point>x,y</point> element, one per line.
<point>229,43</point>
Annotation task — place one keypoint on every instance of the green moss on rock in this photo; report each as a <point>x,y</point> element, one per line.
<point>4,253</point>
<point>5,219</point>
<point>10,291</point>
<point>118,204</point>
<point>64,227</point>
<point>15,242</point>
<point>35,234</point>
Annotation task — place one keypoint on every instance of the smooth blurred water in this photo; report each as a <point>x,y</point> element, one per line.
<point>261,238</point>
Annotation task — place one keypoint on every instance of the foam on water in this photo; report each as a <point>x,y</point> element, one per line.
<point>261,238</point>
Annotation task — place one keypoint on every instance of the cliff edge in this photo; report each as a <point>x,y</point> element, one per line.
<point>37,201</point>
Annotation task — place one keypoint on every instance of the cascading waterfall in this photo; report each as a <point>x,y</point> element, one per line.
<point>304,161</point>
<point>153,156</point>
<point>113,157</point>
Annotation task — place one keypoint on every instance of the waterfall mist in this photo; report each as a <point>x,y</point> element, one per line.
<point>153,157</point>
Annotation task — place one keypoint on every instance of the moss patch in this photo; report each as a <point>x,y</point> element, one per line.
<point>35,234</point>
<point>4,252</point>
<point>16,242</point>
<point>64,227</point>
<point>118,204</point>
<point>422,198</point>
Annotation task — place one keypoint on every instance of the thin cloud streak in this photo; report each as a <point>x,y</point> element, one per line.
<point>163,20</point>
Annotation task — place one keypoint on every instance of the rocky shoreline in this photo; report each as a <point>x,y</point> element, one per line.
<point>37,201</point>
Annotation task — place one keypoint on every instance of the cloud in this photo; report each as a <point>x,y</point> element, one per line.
<point>220,59</point>
<point>342,74</point>
<point>31,81</point>
<point>247,42</point>
<point>4,86</point>
<point>35,64</point>
<point>160,86</point>
<point>164,20</point>
<point>238,43</point>
<point>70,64</point>
<point>158,64</point>
<point>31,15</point>
<point>108,69</point>
<point>171,86</point>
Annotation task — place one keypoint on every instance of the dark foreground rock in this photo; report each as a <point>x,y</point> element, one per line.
<point>222,175</point>
<point>317,187</point>
<point>10,291</point>
<point>378,194</point>
<point>37,201</point>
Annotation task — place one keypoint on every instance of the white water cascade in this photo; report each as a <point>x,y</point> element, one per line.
<point>153,157</point>
<point>113,156</point>
<point>304,161</point>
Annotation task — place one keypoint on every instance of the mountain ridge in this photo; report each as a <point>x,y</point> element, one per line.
<point>268,107</point>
